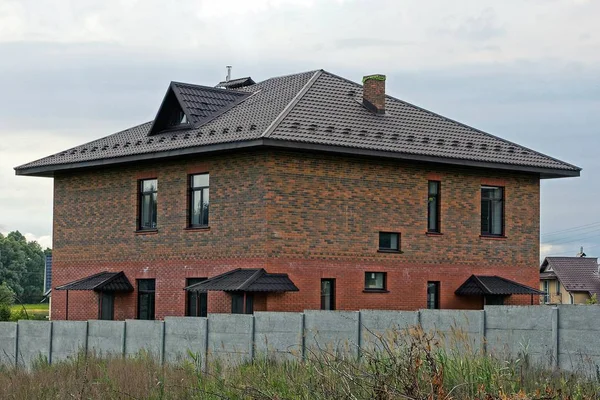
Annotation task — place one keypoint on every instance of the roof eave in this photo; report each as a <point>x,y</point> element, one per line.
<point>49,170</point>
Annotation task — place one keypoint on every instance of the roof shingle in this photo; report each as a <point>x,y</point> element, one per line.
<point>247,280</point>
<point>313,108</point>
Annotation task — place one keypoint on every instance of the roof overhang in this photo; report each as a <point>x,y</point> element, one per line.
<point>479,285</point>
<point>49,170</point>
<point>100,282</point>
<point>246,280</point>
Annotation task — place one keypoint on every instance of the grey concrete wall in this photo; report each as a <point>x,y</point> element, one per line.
<point>68,339</point>
<point>379,328</point>
<point>567,336</point>
<point>456,329</point>
<point>144,336</point>
<point>8,343</point>
<point>183,335</point>
<point>33,341</point>
<point>335,332</point>
<point>230,337</point>
<point>578,337</point>
<point>278,335</point>
<point>520,330</point>
<point>106,337</point>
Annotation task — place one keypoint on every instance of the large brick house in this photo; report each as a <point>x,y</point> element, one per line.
<point>304,191</point>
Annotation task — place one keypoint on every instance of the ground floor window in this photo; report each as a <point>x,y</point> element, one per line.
<point>433,295</point>
<point>146,291</point>
<point>197,303</point>
<point>106,306</point>
<point>237,303</point>
<point>327,294</point>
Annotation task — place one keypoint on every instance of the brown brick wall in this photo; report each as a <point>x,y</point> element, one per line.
<point>311,216</point>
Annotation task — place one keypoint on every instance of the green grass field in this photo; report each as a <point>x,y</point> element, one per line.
<point>39,309</point>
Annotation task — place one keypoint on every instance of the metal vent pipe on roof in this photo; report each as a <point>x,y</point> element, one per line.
<point>228,77</point>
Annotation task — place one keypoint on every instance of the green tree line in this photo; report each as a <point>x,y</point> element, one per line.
<point>22,267</point>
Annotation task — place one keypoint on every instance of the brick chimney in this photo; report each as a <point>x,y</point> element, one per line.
<point>374,93</point>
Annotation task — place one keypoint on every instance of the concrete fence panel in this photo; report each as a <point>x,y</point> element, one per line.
<point>34,342</point>
<point>106,337</point>
<point>68,339</point>
<point>378,326</point>
<point>8,343</point>
<point>141,335</point>
<point>457,329</point>
<point>278,335</point>
<point>514,331</point>
<point>332,331</point>
<point>184,335</point>
<point>230,337</point>
<point>579,337</point>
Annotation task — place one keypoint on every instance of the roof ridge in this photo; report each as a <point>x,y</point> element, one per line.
<point>252,278</point>
<point>291,104</point>
<point>481,283</point>
<point>211,88</point>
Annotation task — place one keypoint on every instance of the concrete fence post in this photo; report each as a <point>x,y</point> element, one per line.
<point>50,343</point>
<point>252,338</point>
<point>303,337</point>
<point>204,361</point>
<point>17,344</point>
<point>418,315</point>
<point>87,335</point>
<point>123,344</point>
<point>555,349</point>
<point>482,332</point>
<point>359,336</point>
<point>162,343</point>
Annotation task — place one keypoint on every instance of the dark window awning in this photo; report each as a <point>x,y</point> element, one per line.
<point>101,282</point>
<point>478,285</point>
<point>247,280</point>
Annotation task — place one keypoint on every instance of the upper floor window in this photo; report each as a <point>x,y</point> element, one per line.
<point>389,241</point>
<point>433,207</point>
<point>492,210</point>
<point>147,203</point>
<point>199,200</point>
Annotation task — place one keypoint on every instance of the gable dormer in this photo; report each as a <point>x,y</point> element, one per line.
<point>186,106</point>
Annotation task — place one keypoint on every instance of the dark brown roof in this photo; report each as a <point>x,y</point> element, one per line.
<point>247,280</point>
<point>315,110</point>
<point>101,282</point>
<point>236,83</point>
<point>478,285</point>
<point>577,274</point>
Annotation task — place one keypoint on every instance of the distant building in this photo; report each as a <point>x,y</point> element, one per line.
<point>569,280</point>
<point>47,275</point>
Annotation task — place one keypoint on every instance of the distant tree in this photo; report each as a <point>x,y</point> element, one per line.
<point>7,296</point>
<point>22,266</point>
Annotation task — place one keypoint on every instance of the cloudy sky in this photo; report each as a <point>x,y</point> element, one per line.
<point>525,70</point>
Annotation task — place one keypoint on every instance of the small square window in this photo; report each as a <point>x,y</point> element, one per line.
<point>375,281</point>
<point>389,241</point>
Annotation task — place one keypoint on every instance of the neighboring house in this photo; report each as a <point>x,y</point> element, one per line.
<point>569,280</point>
<point>305,191</point>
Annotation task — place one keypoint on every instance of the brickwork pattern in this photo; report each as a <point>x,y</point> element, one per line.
<point>312,216</point>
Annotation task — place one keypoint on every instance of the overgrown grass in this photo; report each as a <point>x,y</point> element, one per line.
<point>29,311</point>
<point>398,365</point>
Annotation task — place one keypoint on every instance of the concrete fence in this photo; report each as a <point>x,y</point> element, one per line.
<point>566,336</point>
